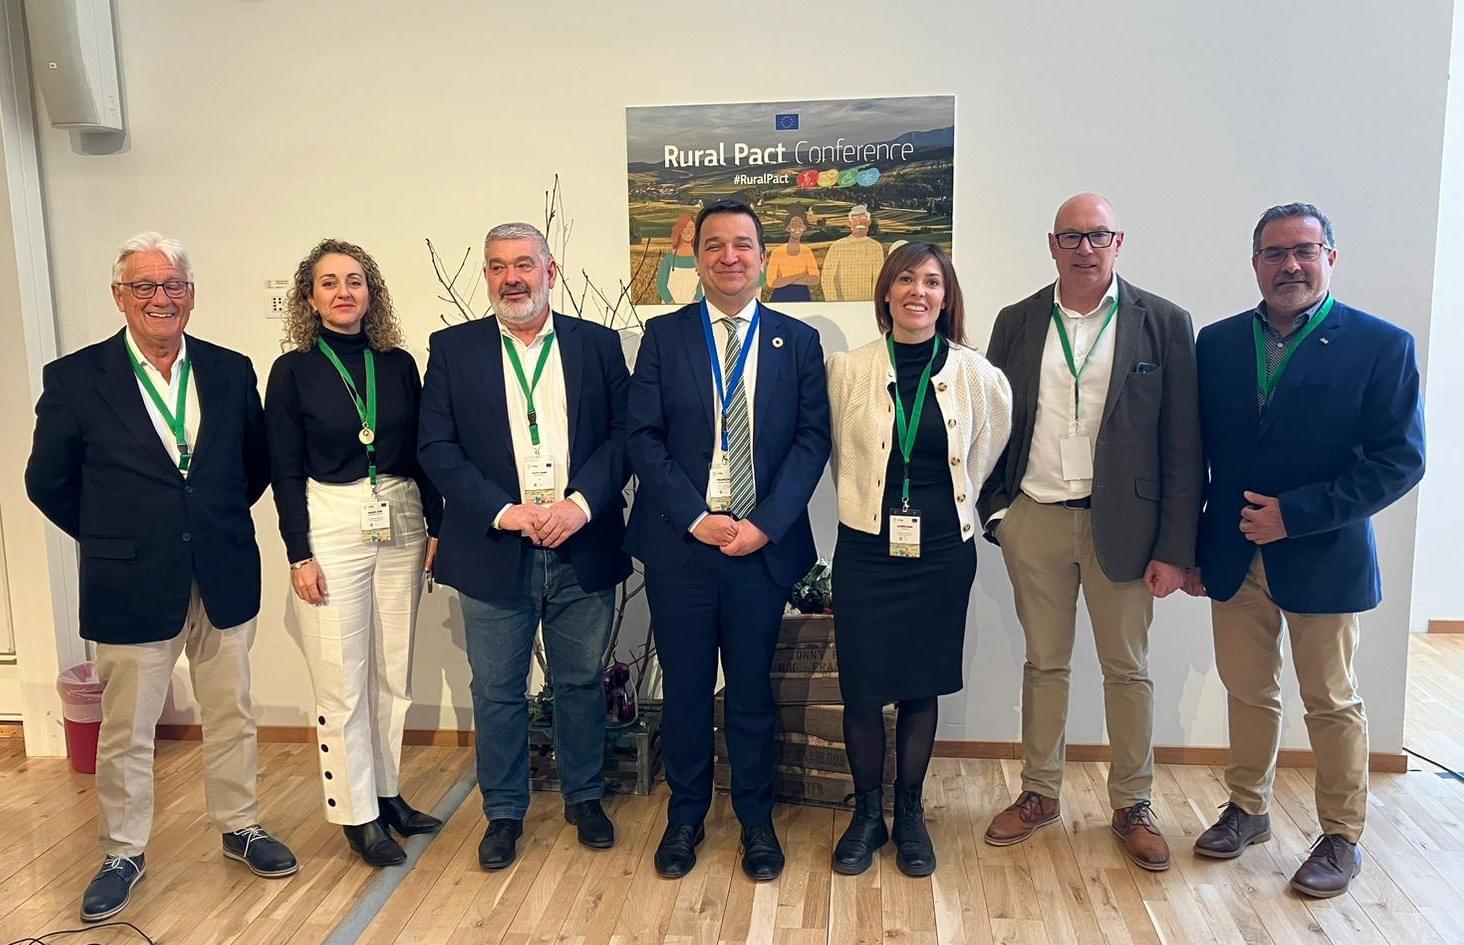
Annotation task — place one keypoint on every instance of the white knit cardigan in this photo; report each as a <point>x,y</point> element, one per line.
<point>974,398</point>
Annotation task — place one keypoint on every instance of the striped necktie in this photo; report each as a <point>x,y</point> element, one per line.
<point>739,434</point>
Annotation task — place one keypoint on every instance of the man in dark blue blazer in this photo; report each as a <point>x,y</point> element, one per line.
<point>149,450</point>
<point>729,434</point>
<point>523,431</point>
<point>1312,423</point>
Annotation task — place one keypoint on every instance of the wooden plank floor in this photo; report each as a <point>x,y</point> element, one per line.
<point>1067,886</point>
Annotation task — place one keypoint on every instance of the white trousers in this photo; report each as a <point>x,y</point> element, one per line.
<point>137,677</point>
<point>358,644</point>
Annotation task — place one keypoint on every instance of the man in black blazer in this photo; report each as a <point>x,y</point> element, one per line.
<point>523,431</point>
<point>729,434</point>
<point>1099,490</point>
<point>149,450</point>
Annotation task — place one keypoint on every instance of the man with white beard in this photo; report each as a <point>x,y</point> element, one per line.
<point>523,432</point>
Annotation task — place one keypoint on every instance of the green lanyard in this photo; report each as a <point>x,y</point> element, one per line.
<point>1076,370</point>
<point>908,428</point>
<point>367,410</point>
<point>173,420</point>
<point>524,384</point>
<point>1267,382</point>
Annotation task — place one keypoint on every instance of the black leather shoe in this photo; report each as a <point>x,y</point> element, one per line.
<point>404,819</point>
<point>914,852</point>
<point>111,889</point>
<point>374,845</point>
<point>676,853</point>
<point>499,845</point>
<point>263,854</point>
<point>762,858</point>
<point>1233,832</point>
<point>1334,862</point>
<point>595,828</point>
<point>866,833</point>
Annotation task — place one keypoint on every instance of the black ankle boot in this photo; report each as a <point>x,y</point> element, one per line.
<point>401,817</point>
<point>865,834</point>
<point>914,853</point>
<point>374,845</point>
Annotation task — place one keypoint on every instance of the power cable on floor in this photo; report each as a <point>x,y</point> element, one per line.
<point>41,939</point>
<point>1444,768</point>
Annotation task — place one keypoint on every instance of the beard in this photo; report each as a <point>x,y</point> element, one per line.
<point>517,313</point>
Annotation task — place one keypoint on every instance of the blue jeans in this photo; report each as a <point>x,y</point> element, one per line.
<point>500,639</point>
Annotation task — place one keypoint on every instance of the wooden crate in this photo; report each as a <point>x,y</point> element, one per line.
<point>809,786</point>
<point>811,764</point>
<point>632,755</point>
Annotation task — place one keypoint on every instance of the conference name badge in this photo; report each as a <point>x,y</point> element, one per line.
<point>719,493</point>
<point>375,521</point>
<point>904,533</point>
<point>539,480</point>
<point>1076,451</point>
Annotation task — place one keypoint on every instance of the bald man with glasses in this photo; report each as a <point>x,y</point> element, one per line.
<point>1098,492</point>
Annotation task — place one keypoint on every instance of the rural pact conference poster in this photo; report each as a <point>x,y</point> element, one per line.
<point>837,183</point>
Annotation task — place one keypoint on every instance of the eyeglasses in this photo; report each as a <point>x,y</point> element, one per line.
<point>1098,239</point>
<point>1304,252</point>
<point>173,289</point>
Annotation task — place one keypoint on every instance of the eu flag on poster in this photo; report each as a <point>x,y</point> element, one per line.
<point>786,122</point>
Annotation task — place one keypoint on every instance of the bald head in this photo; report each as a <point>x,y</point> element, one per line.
<point>1084,242</point>
<point>1084,208</point>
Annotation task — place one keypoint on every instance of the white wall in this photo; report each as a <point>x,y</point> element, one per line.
<point>258,127</point>
<point>1437,593</point>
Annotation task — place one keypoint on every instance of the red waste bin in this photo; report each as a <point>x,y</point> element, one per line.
<point>81,711</point>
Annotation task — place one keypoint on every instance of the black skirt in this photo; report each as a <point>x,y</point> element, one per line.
<point>900,623</point>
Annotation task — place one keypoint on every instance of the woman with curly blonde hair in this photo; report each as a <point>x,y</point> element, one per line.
<point>355,512</point>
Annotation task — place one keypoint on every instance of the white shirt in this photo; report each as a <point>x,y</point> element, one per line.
<point>168,390</point>
<point>749,381</point>
<point>1043,479</point>
<point>550,409</point>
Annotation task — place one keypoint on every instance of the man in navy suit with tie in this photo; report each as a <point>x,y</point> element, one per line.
<point>523,431</point>
<point>728,436</point>
<point>1312,424</point>
<point>149,450</point>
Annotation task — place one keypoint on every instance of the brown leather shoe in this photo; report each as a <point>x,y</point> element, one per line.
<point>1141,838</point>
<point>1022,819</point>
<point>1330,868</point>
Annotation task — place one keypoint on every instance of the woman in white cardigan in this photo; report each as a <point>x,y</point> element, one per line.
<point>919,421</point>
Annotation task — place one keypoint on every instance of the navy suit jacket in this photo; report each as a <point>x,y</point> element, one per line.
<point>672,426</point>
<point>1341,440</point>
<point>466,447</point>
<point>99,471</point>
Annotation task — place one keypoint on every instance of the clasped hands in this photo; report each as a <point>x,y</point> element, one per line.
<point>547,526</point>
<point>735,537</point>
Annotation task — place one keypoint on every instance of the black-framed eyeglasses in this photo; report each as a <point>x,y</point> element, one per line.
<point>1304,252</point>
<point>1098,239</point>
<point>142,291</point>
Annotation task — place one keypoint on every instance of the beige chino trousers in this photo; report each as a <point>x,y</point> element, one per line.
<point>1050,557</point>
<point>1248,655</point>
<point>136,677</point>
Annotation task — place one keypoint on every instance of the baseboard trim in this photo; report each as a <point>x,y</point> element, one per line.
<point>1446,626</point>
<point>457,738</point>
<point>1287,758</point>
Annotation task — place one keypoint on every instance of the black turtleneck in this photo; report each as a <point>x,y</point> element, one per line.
<point>313,428</point>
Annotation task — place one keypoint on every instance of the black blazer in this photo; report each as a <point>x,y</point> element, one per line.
<point>466,447</point>
<point>99,471</point>
<point>1148,471</point>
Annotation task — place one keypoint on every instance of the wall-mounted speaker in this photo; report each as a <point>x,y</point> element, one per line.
<point>74,54</point>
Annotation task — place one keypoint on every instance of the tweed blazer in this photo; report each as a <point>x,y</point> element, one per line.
<point>974,398</point>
